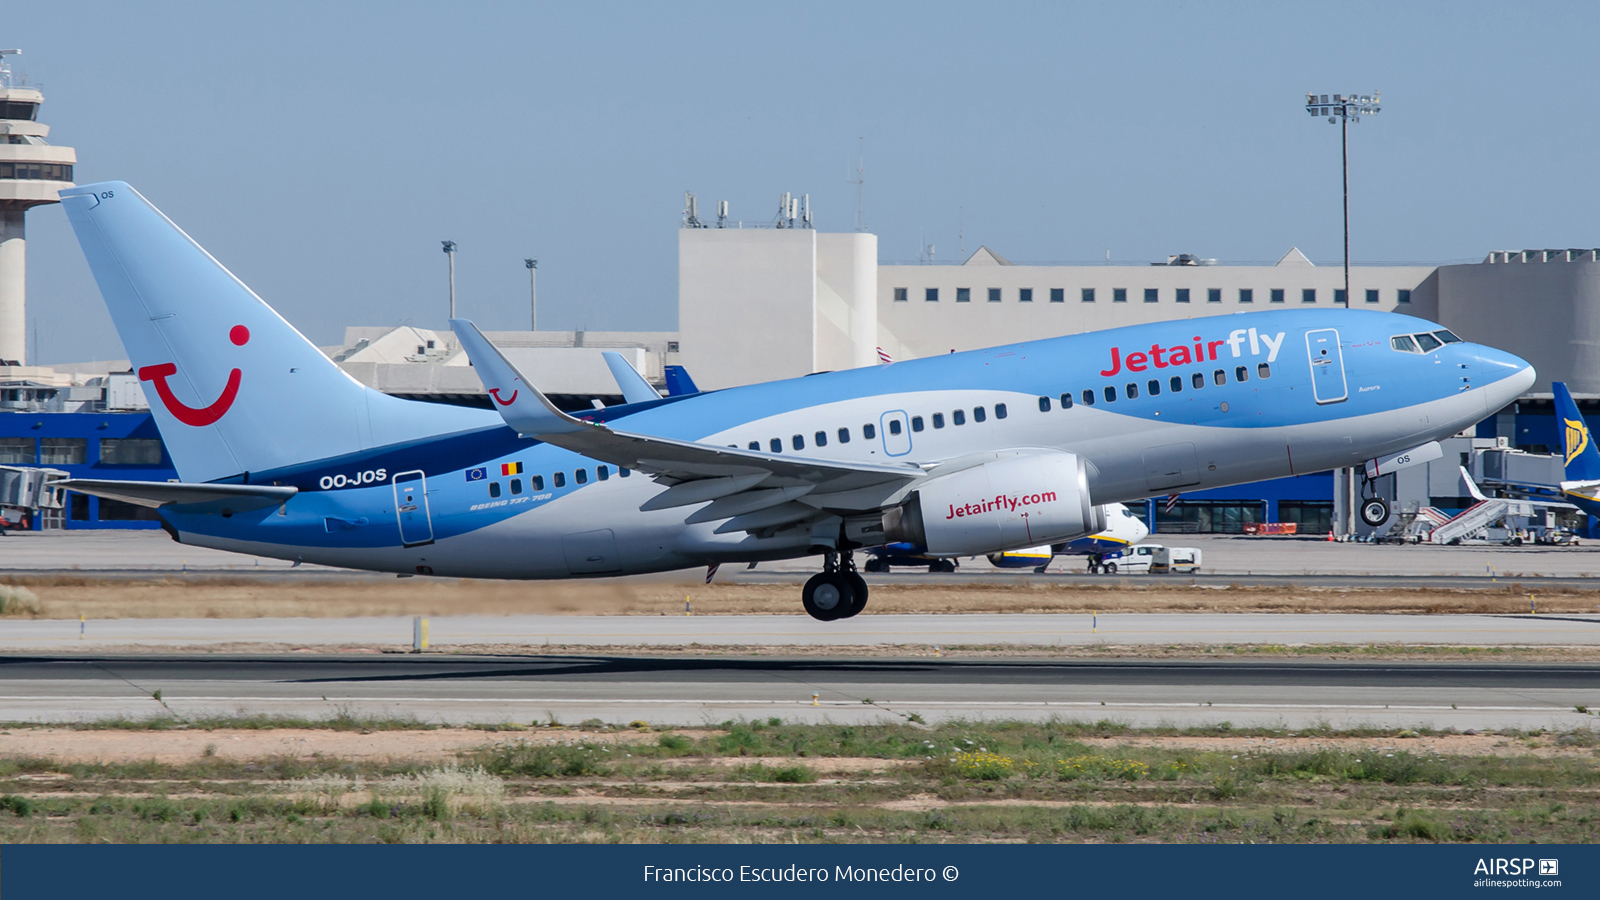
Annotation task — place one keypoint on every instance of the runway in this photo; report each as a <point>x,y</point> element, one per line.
<point>919,631</point>
<point>468,689</point>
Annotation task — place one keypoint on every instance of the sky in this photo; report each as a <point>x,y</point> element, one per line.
<point>323,150</point>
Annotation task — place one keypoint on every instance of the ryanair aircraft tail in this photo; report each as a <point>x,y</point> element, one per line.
<point>1578,449</point>
<point>233,387</point>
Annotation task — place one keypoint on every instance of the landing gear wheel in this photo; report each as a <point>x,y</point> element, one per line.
<point>828,596</point>
<point>858,587</point>
<point>1374,511</point>
<point>941,566</point>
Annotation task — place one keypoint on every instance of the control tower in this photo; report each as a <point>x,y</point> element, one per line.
<point>32,172</point>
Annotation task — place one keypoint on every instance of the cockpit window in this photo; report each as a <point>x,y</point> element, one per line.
<point>1404,344</point>
<point>1428,342</point>
<point>1447,337</point>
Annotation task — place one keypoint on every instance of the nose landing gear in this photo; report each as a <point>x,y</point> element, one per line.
<point>837,592</point>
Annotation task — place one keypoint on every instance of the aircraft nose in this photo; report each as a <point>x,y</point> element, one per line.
<point>1505,376</point>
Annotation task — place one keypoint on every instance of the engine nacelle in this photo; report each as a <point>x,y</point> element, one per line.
<point>1019,501</point>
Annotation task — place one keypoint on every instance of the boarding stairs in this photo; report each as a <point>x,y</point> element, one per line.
<point>1474,521</point>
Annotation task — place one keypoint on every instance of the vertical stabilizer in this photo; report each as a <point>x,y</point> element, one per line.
<point>1577,447</point>
<point>233,387</point>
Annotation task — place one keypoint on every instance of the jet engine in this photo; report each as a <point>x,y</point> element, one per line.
<point>1018,501</point>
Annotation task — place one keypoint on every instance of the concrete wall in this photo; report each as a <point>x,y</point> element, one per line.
<point>747,302</point>
<point>1545,312</point>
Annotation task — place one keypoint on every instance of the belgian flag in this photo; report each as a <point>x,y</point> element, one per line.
<point>511,468</point>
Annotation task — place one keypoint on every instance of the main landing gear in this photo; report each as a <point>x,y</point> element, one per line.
<point>838,591</point>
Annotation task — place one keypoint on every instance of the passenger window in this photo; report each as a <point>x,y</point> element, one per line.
<point>537,481</point>
<point>516,485</point>
<point>869,431</point>
<point>1044,404</point>
<point>959,417</point>
<point>494,489</point>
<point>1220,376</point>
<point>916,423</point>
<point>999,410</point>
<point>844,435</point>
<point>1175,383</point>
<point>1447,337</point>
<point>1066,401</point>
<point>798,441</point>
<point>1198,379</point>
<point>821,438</point>
<point>1241,374</point>
<point>1088,397</point>
<point>938,420</point>
<point>1263,370</point>
<point>894,426</point>
<point>1404,344</point>
<point>776,444</point>
<point>604,472</point>
<point>1428,342</point>
<point>621,470</point>
<point>560,479</point>
<point>979,414</point>
<point>1111,394</point>
<point>755,445</point>
<point>1133,390</point>
<point>582,476</point>
<point>1153,387</point>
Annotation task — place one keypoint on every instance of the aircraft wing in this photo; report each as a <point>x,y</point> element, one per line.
<point>752,489</point>
<point>231,498</point>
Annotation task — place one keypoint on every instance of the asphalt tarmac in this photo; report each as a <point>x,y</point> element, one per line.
<point>463,633</point>
<point>689,691</point>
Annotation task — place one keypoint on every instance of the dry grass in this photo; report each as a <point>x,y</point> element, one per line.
<point>224,597</point>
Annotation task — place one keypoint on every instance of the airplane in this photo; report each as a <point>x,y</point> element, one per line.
<point>281,454</point>
<point>1582,458</point>
<point>1123,528</point>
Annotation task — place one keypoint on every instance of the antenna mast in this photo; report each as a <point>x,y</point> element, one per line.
<point>859,181</point>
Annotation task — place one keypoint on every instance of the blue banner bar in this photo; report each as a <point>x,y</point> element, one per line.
<point>931,870</point>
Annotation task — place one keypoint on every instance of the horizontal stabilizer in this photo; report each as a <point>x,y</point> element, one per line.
<point>634,388</point>
<point>226,498</point>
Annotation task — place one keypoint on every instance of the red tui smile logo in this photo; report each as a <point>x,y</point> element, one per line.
<point>495,393</point>
<point>188,415</point>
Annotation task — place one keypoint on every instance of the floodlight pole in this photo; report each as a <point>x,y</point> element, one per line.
<point>533,291</point>
<point>450,252</point>
<point>1342,109</point>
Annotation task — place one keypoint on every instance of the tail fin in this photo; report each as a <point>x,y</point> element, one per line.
<point>679,382</point>
<point>1578,449</point>
<point>234,388</point>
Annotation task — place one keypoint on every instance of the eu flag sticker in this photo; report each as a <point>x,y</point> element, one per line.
<point>478,474</point>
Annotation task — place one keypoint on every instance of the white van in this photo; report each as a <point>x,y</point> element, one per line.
<point>1145,559</point>
<point>1176,559</point>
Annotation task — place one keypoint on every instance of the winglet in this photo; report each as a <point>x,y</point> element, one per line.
<point>634,388</point>
<point>521,404</point>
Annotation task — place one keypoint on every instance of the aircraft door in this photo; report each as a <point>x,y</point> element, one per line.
<point>1327,366</point>
<point>895,431</point>
<point>411,508</point>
